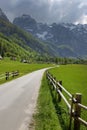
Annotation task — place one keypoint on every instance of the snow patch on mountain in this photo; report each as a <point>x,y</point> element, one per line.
<point>50,26</point>
<point>69,26</point>
<point>29,30</point>
<point>42,36</point>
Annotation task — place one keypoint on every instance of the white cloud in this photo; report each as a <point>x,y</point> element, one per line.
<point>82,5</point>
<point>82,20</point>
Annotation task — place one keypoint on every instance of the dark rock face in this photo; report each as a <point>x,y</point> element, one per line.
<point>3,16</point>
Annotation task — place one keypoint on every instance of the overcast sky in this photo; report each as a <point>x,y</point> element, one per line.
<point>48,11</point>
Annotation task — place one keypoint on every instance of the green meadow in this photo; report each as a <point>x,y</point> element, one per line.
<point>74,78</point>
<point>7,65</point>
<point>50,114</point>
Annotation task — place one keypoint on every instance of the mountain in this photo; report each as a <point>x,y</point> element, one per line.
<point>3,16</point>
<point>16,41</point>
<point>65,39</point>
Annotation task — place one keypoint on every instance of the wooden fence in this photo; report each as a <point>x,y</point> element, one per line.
<point>7,75</point>
<point>74,107</point>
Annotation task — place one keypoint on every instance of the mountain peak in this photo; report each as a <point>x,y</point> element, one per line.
<point>3,16</point>
<point>26,16</point>
<point>25,21</point>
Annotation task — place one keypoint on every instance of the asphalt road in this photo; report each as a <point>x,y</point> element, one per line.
<point>18,100</point>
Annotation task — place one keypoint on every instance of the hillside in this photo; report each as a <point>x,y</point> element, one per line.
<point>15,37</point>
<point>67,39</point>
<point>9,48</point>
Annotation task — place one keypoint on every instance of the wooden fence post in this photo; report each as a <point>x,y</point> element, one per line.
<point>57,91</point>
<point>77,112</point>
<point>13,74</point>
<point>59,97</point>
<point>7,75</point>
<point>71,113</point>
<point>46,74</point>
<point>52,82</point>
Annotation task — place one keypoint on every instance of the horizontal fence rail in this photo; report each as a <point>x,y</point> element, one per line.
<point>70,95</point>
<point>82,106</point>
<point>75,111</point>
<point>2,76</point>
<point>65,100</point>
<point>82,121</point>
<point>7,75</point>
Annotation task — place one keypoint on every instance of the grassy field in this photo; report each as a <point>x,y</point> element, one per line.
<point>7,65</point>
<point>50,114</point>
<point>74,78</point>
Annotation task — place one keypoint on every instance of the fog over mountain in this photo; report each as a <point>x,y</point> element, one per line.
<point>47,11</point>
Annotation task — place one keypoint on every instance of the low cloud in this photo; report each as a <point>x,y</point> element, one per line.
<point>47,11</point>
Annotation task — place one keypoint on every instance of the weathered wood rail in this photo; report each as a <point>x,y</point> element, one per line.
<point>7,75</point>
<point>74,107</point>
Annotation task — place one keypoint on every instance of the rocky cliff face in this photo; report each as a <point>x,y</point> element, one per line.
<point>3,16</point>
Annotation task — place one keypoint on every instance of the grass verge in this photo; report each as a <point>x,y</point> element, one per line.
<point>46,117</point>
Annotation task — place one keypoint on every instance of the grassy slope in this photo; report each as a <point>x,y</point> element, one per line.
<point>46,117</point>
<point>12,49</point>
<point>22,38</point>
